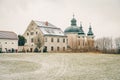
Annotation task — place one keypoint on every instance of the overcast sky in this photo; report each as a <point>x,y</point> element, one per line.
<point>104,15</point>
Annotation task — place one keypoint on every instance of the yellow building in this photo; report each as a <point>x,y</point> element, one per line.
<point>77,39</point>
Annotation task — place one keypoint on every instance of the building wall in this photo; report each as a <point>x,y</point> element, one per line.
<point>7,44</point>
<point>30,34</point>
<point>79,42</point>
<point>30,46</point>
<point>72,40</point>
<point>90,42</point>
<point>58,44</point>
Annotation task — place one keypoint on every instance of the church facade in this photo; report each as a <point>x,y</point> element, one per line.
<point>77,39</point>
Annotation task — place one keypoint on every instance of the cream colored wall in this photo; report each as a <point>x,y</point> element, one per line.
<point>31,28</point>
<point>72,40</point>
<point>76,41</point>
<point>81,41</point>
<point>55,44</point>
<point>10,44</point>
<point>90,41</point>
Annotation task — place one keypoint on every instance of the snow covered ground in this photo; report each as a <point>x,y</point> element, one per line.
<point>59,66</point>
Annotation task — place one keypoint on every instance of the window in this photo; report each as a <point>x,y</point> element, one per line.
<point>5,42</point>
<point>57,48</point>
<point>27,34</point>
<point>31,39</point>
<point>36,32</point>
<point>63,40</point>
<point>63,48</point>
<point>52,40</point>
<point>32,33</point>
<point>45,48</point>
<point>52,48</point>
<point>45,39</point>
<point>58,40</point>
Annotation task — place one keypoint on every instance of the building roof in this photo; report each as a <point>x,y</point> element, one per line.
<point>73,29</point>
<point>49,29</point>
<point>81,30</point>
<point>8,35</point>
<point>44,24</point>
<point>90,31</point>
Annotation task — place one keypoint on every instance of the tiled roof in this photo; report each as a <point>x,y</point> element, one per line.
<point>8,35</point>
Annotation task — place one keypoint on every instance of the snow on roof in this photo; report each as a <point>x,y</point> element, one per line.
<point>52,31</point>
<point>41,23</point>
<point>49,29</point>
<point>8,35</point>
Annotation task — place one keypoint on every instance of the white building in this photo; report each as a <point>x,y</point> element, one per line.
<point>8,41</point>
<point>54,38</point>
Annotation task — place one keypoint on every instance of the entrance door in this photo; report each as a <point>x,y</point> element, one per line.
<point>31,49</point>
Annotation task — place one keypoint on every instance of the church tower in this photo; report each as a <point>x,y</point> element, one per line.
<point>90,39</point>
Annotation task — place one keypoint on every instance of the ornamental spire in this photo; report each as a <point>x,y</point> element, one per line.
<point>73,21</point>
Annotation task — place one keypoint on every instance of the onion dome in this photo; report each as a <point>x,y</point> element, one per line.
<point>73,27</point>
<point>81,30</point>
<point>90,31</point>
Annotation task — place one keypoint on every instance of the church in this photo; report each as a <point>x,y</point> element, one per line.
<point>77,38</point>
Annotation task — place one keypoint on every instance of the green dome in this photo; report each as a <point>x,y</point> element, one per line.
<point>90,31</point>
<point>81,30</point>
<point>73,22</point>
<point>74,29</point>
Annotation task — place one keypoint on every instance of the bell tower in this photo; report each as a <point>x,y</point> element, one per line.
<point>90,38</point>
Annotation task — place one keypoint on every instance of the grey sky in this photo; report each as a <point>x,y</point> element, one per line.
<point>104,15</point>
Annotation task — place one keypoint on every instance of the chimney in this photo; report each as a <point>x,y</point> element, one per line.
<point>46,23</point>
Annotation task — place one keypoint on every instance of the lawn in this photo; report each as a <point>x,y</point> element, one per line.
<point>59,66</point>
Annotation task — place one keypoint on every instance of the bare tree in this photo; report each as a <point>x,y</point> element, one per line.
<point>104,44</point>
<point>117,43</point>
<point>39,42</point>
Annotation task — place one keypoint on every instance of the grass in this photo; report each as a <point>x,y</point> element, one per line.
<point>59,66</point>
